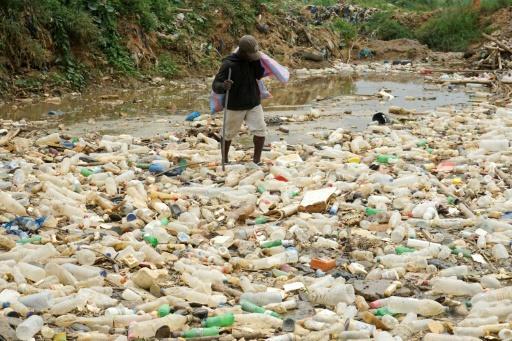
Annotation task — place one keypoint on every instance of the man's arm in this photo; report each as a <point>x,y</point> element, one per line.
<point>219,83</point>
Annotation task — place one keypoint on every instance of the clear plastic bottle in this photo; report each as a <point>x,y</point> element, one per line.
<point>490,282</point>
<point>458,271</point>
<point>322,243</point>
<point>493,295</point>
<point>499,251</point>
<point>262,298</point>
<point>399,233</point>
<point>86,257</point>
<point>333,295</point>
<point>404,305</point>
<point>9,204</point>
<point>148,329</point>
<point>67,304</point>
<point>290,256</point>
<point>32,272</point>
<point>478,321</point>
<point>455,287</point>
<point>39,301</point>
<point>111,186</point>
<point>49,140</point>
<point>447,337</point>
<point>30,327</point>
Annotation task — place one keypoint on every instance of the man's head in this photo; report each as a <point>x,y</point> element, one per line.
<point>248,48</point>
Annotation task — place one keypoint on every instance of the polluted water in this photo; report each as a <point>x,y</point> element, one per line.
<point>399,231</point>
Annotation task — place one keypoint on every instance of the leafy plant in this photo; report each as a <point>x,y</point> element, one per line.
<point>166,66</point>
<point>383,26</point>
<point>347,31</point>
<point>450,30</point>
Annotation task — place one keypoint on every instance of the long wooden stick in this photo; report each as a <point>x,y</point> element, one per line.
<point>223,141</point>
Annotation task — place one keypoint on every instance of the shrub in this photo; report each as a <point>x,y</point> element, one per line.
<point>450,30</point>
<point>385,27</point>
<point>347,31</point>
<point>166,66</point>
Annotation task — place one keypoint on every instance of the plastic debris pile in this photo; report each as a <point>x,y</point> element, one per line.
<point>399,232</point>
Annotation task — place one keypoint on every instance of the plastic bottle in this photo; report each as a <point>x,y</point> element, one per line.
<point>282,307</point>
<point>287,257</point>
<point>201,332</point>
<point>275,243</point>
<point>224,320</point>
<point>9,204</point>
<point>447,337</point>
<point>113,311</point>
<point>493,295</point>
<point>39,301</point>
<point>399,233</point>
<point>111,186</point>
<point>253,308</point>
<point>49,140</point>
<point>333,295</point>
<point>32,272</point>
<point>262,298</point>
<point>478,321</point>
<point>490,282</point>
<point>404,305</point>
<point>148,329</point>
<point>30,327</point>
<point>455,287</point>
<point>458,271</point>
<point>86,257</point>
<point>494,145</point>
<point>164,310</point>
<point>499,251</point>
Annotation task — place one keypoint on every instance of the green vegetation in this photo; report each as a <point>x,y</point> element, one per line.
<point>71,42</point>
<point>383,26</point>
<point>451,30</point>
<point>347,31</point>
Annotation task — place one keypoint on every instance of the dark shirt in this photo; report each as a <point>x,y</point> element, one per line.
<point>244,93</point>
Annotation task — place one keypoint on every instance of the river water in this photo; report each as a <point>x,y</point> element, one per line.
<point>343,101</point>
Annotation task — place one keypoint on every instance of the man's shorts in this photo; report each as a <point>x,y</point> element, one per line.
<point>253,118</point>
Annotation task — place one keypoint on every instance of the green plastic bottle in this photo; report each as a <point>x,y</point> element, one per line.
<point>260,220</point>
<point>164,221</point>
<point>275,243</point>
<point>224,320</point>
<point>386,159</point>
<point>86,172</point>
<point>142,165</point>
<point>421,143</point>
<point>31,240</point>
<point>458,250</point>
<point>151,240</point>
<point>253,308</point>
<point>261,189</point>
<point>450,200</point>
<point>372,211</point>
<point>164,310</point>
<point>383,311</point>
<point>271,243</point>
<point>201,332</point>
<point>400,250</point>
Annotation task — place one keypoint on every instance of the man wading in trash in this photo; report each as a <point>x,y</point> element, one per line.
<point>244,102</point>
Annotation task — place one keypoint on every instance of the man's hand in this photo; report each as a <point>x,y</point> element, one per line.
<point>227,84</point>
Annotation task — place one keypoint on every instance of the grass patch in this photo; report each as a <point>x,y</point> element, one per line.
<point>383,26</point>
<point>451,30</point>
<point>166,66</point>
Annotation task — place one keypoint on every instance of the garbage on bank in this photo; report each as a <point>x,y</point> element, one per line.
<point>401,231</point>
